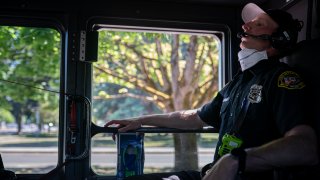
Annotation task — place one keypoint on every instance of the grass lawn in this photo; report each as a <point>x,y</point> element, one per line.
<point>28,140</point>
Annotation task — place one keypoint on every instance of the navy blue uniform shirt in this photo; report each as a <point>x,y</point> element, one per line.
<point>277,96</point>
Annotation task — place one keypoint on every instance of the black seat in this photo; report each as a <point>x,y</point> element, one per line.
<point>306,59</point>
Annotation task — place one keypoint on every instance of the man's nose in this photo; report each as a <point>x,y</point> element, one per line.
<point>246,26</point>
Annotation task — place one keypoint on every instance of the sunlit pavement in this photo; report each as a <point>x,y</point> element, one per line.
<point>157,150</point>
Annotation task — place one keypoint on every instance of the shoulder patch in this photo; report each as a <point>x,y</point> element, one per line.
<point>290,80</point>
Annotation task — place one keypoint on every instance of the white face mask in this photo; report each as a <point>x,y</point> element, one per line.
<point>250,57</point>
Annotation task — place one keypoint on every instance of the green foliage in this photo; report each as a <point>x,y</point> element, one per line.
<point>49,111</point>
<point>29,56</point>
<point>118,108</point>
<point>6,116</point>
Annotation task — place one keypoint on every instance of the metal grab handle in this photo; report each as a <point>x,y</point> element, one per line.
<point>85,153</point>
<point>98,129</point>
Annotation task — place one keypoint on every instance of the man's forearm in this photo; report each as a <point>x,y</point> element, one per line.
<point>181,120</point>
<point>294,149</point>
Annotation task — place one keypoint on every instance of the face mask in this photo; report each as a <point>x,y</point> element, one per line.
<point>250,57</point>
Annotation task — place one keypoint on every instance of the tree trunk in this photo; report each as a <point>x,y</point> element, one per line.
<point>19,123</point>
<point>186,151</point>
<point>17,113</point>
<point>38,119</point>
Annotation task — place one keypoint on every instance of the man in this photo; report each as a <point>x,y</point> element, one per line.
<point>261,116</point>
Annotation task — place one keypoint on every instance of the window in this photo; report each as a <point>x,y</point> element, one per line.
<point>29,108</point>
<point>143,72</point>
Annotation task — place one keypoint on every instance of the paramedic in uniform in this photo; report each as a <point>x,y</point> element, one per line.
<point>262,108</point>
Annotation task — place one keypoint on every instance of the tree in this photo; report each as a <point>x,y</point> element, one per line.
<point>28,56</point>
<point>6,116</point>
<point>120,107</point>
<point>177,72</point>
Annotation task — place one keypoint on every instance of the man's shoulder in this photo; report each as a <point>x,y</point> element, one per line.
<point>284,76</point>
<point>282,67</point>
<point>288,77</point>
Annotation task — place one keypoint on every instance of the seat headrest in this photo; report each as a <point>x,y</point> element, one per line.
<point>306,59</point>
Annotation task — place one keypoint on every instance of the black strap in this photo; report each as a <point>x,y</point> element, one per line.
<point>242,115</point>
<point>235,129</point>
<point>244,109</point>
<point>241,154</point>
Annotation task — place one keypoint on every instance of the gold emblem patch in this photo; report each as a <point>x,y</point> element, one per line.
<point>290,80</point>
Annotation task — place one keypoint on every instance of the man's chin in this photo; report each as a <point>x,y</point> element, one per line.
<point>242,46</point>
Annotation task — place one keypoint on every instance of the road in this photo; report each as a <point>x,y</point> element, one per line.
<point>34,160</point>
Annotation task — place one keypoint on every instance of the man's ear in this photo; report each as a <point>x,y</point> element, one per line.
<point>272,51</point>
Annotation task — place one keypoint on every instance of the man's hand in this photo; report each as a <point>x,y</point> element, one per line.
<point>225,169</point>
<point>125,125</point>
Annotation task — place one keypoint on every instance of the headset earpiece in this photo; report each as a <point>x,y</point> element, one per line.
<point>282,39</point>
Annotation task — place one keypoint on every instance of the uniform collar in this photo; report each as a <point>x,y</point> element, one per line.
<point>260,66</point>
<point>263,65</point>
